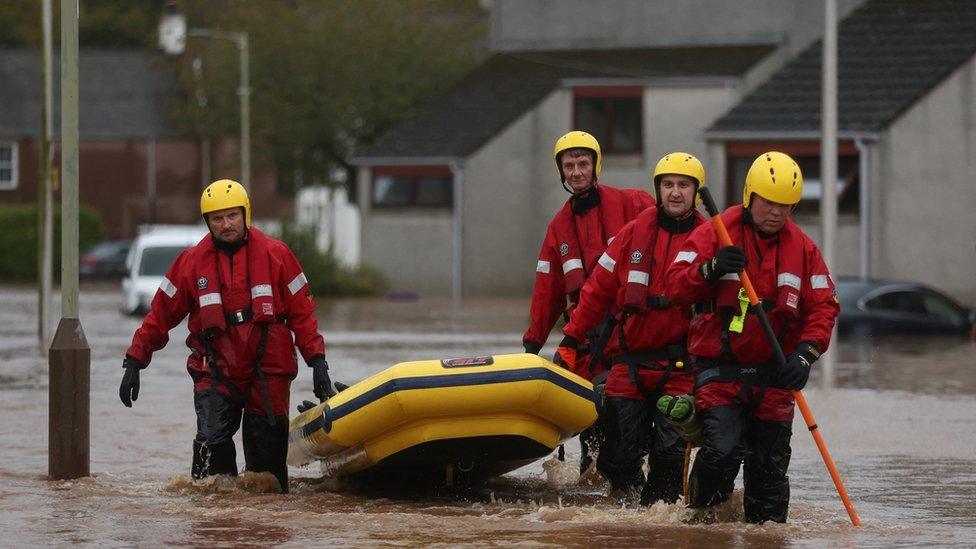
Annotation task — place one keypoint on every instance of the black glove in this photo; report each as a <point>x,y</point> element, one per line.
<point>129,388</point>
<point>305,406</point>
<point>321,384</point>
<point>531,348</point>
<point>730,259</point>
<point>794,374</point>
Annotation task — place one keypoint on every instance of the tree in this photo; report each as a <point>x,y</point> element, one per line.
<point>102,23</point>
<point>327,76</point>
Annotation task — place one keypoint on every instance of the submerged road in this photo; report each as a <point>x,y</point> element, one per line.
<point>898,414</point>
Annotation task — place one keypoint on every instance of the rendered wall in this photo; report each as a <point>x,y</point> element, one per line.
<point>848,248</point>
<point>512,189</point>
<point>925,191</point>
<point>411,247</point>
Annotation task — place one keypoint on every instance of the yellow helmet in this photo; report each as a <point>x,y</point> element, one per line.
<point>578,140</point>
<point>223,194</point>
<point>774,176</point>
<point>680,163</point>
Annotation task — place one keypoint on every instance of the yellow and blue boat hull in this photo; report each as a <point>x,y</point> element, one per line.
<point>480,417</point>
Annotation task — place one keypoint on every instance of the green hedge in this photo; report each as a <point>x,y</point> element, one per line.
<point>18,239</point>
<point>326,275</point>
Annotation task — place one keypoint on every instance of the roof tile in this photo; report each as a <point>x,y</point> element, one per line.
<point>497,92</point>
<point>890,54</point>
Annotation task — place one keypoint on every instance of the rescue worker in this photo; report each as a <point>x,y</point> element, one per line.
<point>575,239</point>
<point>245,294</point>
<point>742,397</point>
<point>648,350</point>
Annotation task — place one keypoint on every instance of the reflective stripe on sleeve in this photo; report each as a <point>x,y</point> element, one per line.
<point>730,276</point>
<point>607,262</point>
<point>167,287</point>
<point>685,257</point>
<point>261,290</point>
<point>571,264</point>
<point>820,282</point>
<point>297,283</point>
<point>788,279</point>
<point>542,267</point>
<point>210,299</point>
<point>639,277</point>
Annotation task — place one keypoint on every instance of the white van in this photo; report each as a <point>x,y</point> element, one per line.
<point>150,256</point>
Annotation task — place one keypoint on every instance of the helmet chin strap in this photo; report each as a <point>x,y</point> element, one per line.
<point>570,190</point>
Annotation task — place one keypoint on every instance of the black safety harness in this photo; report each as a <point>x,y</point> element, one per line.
<point>649,358</point>
<point>728,367</point>
<point>236,318</point>
<point>635,359</point>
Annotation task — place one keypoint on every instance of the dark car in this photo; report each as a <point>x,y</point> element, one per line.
<point>870,306</point>
<point>104,260</point>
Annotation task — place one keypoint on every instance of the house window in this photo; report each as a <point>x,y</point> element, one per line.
<point>613,115</point>
<point>807,156</point>
<point>413,187</point>
<point>8,166</point>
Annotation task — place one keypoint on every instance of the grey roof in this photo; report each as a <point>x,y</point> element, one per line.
<point>890,54</point>
<point>123,94</point>
<point>505,86</point>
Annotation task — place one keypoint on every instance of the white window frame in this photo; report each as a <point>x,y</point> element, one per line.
<point>11,184</point>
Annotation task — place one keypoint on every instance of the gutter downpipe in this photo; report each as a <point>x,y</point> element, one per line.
<point>457,171</point>
<point>864,232</point>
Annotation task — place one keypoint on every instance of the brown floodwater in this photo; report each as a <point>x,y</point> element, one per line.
<point>898,415</point>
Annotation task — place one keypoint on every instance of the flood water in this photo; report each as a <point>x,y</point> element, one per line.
<point>898,415</point>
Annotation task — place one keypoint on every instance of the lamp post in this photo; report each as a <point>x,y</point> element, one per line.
<point>172,40</point>
<point>69,358</point>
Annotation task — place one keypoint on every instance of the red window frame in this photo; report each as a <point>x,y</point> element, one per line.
<point>609,93</point>
<point>846,151</point>
<point>413,174</point>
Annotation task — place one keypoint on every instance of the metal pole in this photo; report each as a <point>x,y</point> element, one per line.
<point>828,161</point>
<point>45,206</point>
<point>864,178</point>
<point>457,241</point>
<point>69,158</point>
<point>828,143</point>
<point>69,359</point>
<point>245,92</point>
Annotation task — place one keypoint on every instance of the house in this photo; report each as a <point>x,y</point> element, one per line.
<point>455,199</point>
<point>134,166</point>
<point>907,140</point>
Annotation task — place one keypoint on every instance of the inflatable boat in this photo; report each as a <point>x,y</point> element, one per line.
<point>447,421</point>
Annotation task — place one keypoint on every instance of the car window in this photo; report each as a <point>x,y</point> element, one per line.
<point>937,305</point>
<point>156,260</point>
<point>849,293</point>
<point>901,302</point>
<point>106,250</point>
<point>100,251</point>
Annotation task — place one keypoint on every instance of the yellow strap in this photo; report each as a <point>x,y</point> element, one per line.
<point>738,321</point>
